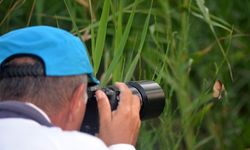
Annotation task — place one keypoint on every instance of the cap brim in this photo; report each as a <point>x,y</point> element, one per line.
<point>92,80</point>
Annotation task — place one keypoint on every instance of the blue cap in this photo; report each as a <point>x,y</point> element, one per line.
<point>62,53</point>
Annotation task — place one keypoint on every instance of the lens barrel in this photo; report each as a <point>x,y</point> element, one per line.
<point>150,93</point>
<point>152,98</point>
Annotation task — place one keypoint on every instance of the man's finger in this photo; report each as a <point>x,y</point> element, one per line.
<point>125,96</point>
<point>103,107</point>
<point>136,104</point>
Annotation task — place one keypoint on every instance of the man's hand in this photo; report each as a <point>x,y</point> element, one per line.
<point>123,124</point>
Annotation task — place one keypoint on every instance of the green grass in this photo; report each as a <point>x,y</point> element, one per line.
<point>183,45</point>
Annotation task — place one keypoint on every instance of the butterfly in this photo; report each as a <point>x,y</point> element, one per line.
<point>218,89</point>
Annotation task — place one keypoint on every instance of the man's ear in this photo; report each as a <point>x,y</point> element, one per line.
<point>76,108</point>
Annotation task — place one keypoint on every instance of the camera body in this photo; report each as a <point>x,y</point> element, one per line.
<point>150,93</point>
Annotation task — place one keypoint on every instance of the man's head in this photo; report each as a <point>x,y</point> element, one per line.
<point>48,67</point>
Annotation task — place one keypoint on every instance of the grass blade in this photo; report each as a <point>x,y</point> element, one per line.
<point>11,10</point>
<point>117,75</point>
<point>120,48</point>
<point>92,27</point>
<point>205,13</point>
<point>31,12</point>
<point>101,36</point>
<point>143,37</point>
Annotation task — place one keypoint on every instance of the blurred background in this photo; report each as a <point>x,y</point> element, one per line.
<point>185,46</point>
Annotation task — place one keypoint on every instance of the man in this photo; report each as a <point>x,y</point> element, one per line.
<point>43,80</point>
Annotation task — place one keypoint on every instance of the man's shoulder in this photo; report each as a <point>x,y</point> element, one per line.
<point>73,139</point>
<point>27,130</point>
<point>74,136</point>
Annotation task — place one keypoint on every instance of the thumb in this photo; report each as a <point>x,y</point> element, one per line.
<point>103,107</point>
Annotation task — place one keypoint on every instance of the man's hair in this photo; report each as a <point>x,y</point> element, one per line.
<point>48,93</point>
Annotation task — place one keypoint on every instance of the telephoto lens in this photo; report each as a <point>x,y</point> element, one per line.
<point>150,93</point>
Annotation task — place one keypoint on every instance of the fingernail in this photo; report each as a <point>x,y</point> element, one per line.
<point>120,84</point>
<point>99,94</point>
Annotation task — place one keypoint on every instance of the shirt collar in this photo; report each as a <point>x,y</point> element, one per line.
<point>39,110</point>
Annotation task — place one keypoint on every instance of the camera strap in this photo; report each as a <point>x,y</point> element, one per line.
<point>15,109</point>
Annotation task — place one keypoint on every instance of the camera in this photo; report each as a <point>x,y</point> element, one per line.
<point>150,93</point>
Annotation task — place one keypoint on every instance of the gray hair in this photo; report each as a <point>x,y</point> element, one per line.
<point>48,93</point>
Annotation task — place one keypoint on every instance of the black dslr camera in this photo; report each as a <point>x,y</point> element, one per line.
<point>150,93</point>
